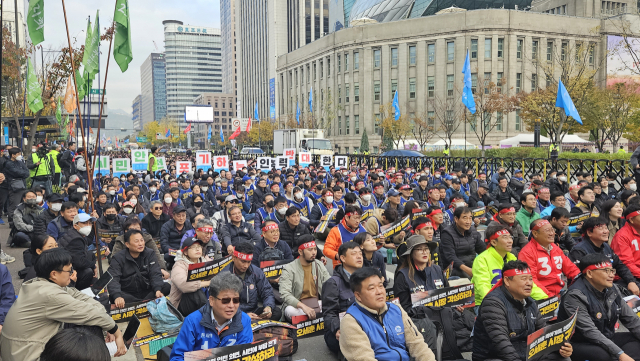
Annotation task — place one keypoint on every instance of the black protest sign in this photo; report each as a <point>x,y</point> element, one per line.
<point>393,229</point>
<point>579,218</point>
<point>390,294</point>
<point>139,309</point>
<point>445,297</point>
<point>204,270</point>
<point>550,339</point>
<point>634,304</point>
<point>324,221</point>
<point>366,215</point>
<point>105,233</point>
<point>417,213</point>
<point>478,212</point>
<point>266,350</point>
<point>154,337</point>
<point>273,269</point>
<point>306,327</point>
<point>548,307</point>
<point>258,325</point>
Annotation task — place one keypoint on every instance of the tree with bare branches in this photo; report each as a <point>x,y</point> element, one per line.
<point>399,129</point>
<point>448,115</point>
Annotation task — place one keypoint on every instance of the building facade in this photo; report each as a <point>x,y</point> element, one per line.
<point>153,89</point>
<point>9,20</point>
<point>136,114</point>
<point>355,71</point>
<point>228,41</point>
<point>223,111</point>
<point>193,63</point>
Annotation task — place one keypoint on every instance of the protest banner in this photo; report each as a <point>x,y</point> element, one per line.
<point>341,162</point>
<point>282,162</point>
<point>121,166</point>
<point>549,308</point>
<point>258,325</point>
<point>550,339</point>
<point>183,167</point>
<point>634,303</point>
<point>304,159</point>
<point>140,159</point>
<point>264,163</point>
<point>273,269</point>
<point>366,215</point>
<point>239,164</point>
<point>161,163</point>
<point>290,153</point>
<point>206,270</point>
<point>154,337</point>
<point>139,309</point>
<point>417,213</point>
<point>203,160</point>
<point>220,163</point>
<point>325,161</point>
<point>266,350</point>
<point>445,297</point>
<point>393,229</point>
<point>324,221</point>
<point>478,212</point>
<point>579,218</point>
<point>390,294</point>
<point>102,165</point>
<point>306,327</point>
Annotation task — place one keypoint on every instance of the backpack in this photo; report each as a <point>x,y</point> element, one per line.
<point>164,317</point>
<point>271,254</point>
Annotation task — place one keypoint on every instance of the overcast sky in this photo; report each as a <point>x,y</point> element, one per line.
<point>146,26</point>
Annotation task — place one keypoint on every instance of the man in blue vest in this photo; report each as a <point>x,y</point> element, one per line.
<point>374,329</point>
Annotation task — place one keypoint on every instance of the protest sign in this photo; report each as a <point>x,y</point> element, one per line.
<point>308,327</point>
<point>121,166</point>
<point>161,163</point>
<point>102,165</point>
<point>220,163</point>
<point>393,229</point>
<point>203,160</point>
<point>205,270</point>
<point>139,309</point>
<point>366,215</point>
<point>445,297</point>
<point>634,303</point>
<point>579,218</point>
<point>282,162</point>
<point>264,163</point>
<point>324,221</point>
<point>266,350</point>
<point>478,212</point>
<point>140,159</point>
<point>341,162</point>
<point>550,339</point>
<point>305,159</point>
<point>549,308</point>
<point>258,325</point>
<point>325,161</point>
<point>239,164</point>
<point>290,153</point>
<point>273,269</point>
<point>183,167</point>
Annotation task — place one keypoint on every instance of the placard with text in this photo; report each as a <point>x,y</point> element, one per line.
<point>140,159</point>
<point>121,166</point>
<point>220,162</point>
<point>183,167</point>
<point>203,160</point>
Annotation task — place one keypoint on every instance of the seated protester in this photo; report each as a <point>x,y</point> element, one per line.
<point>527,214</point>
<point>24,218</point>
<point>382,217</point>
<point>40,243</point>
<point>337,295</point>
<point>42,221</point>
<point>627,196</point>
<point>417,272</point>
<point>482,197</point>
<point>136,208</point>
<point>171,201</point>
<point>507,316</point>
<point>266,212</point>
<point>172,232</point>
<point>48,302</point>
<point>302,202</point>
<point>366,202</point>
<point>245,202</point>
<point>547,261</point>
<point>507,217</point>
<point>155,219</point>
<point>370,256</point>
<point>197,207</point>
<point>62,223</point>
<point>255,286</point>
<point>487,267</point>
<point>600,307</point>
<point>348,228</point>
<point>324,203</point>
<point>351,199</point>
<point>110,225</point>
<point>136,272</point>
<point>595,235</point>
<point>423,226</point>
<point>134,223</point>
<point>405,194</point>
<point>437,218</point>
<point>222,217</point>
<point>154,194</point>
<point>218,323</point>
<point>292,229</point>
<point>270,247</point>
<point>557,200</point>
<point>460,243</point>
<point>75,241</point>
<point>367,321</point>
<point>625,240</point>
<point>612,212</point>
<point>544,199</point>
<point>302,280</point>
<point>502,193</point>
<point>236,231</point>
<point>434,198</point>
<point>203,230</point>
<point>186,296</point>
<point>379,197</point>
<point>559,219</point>
<point>586,204</point>
<point>393,201</point>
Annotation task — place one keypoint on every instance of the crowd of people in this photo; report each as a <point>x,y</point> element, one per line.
<point>518,238</point>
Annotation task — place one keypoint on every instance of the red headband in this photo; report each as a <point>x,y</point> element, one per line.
<point>507,210</point>
<point>434,212</point>
<point>206,229</point>
<point>598,266</point>
<point>406,186</point>
<point>540,224</point>
<point>243,256</point>
<point>269,227</point>
<point>632,214</point>
<point>498,234</point>
<point>421,226</point>
<point>433,190</point>
<point>376,187</point>
<point>351,214</point>
<point>328,194</point>
<point>575,186</point>
<point>509,273</point>
<point>304,246</point>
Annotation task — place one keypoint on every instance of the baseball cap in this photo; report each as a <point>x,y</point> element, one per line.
<point>393,192</point>
<point>230,198</point>
<point>189,241</point>
<point>82,217</point>
<point>179,209</point>
<point>55,197</point>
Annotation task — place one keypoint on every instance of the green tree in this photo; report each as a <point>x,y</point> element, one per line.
<point>364,141</point>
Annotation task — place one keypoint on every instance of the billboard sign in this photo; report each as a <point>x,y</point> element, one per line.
<point>198,114</point>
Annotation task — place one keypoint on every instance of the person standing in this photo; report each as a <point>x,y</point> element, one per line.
<point>153,164</point>
<point>16,173</point>
<point>4,185</point>
<point>54,154</point>
<point>66,160</point>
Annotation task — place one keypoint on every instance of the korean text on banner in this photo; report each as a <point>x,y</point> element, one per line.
<point>326,161</point>
<point>121,166</point>
<point>102,165</point>
<point>183,167</point>
<point>220,163</point>
<point>239,164</point>
<point>140,159</point>
<point>341,162</point>
<point>304,159</point>
<point>290,153</point>
<point>282,162</point>
<point>264,163</point>
<point>203,160</point>
<point>161,163</point>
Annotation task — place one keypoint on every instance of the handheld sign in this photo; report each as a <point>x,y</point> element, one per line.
<point>366,215</point>
<point>324,221</point>
<point>579,218</point>
<point>274,162</point>
<point>266,350</point>
<point>393,229</point>
<point>239,164</point>
<point>140,159</point>
<point>102,165</point>
<point>264,163</point>
<point>138,309</point>
<point>325,161</point>
<point>220,162</point>
<point>550,339</point>
<point>273,269</point>
<point>634,303</point>
<point>341,162</point>
<point>183,167</point>
<point>204,270</point>
<point>121,166</point>
<point>549,308</point>
<point>290,153</point>
<point>308,327</point>
<point>161,163</point>
<point>304,159</point>
<point>203,160</point>
<point>445,297</point>
<point>282,162</point>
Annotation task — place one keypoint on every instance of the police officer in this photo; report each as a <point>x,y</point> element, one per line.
<point>42,168</point>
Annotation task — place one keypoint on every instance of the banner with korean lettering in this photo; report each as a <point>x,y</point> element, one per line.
<point>549,308</point>
<point>183,167</point>
<point>203,160</point>
<point>204,270</point>
<point>550,339</point>
<point>290,153</point>
<point>102,165</point>
<point>308,327</point>
<point>139,309</point>
<point>449,296</point>
<point>239,164</point>
<point>220,162</point>
<point>273,269</point>
<point>304,159</point>
<point>341,162</point>
<point>140,159</point>
<point>121,166</point>
<point>282,162</point>
<point>266,350</point>
<point>326,161</point>
<point>264,163</point>
<point>161,163</point>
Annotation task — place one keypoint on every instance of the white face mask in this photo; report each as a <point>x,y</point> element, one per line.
<point>85,230</point>
<point>134,201</point>
<point>562,179</point>
<point>153,189</point>
<point>204,189</point>
<point>633,187</point>
<point>38,199</point>
<point>128,210</point>
<point>353,179</point>
<point>380,174</point>
<point>437,175</point>
<point>19,157</point>
<point>56,207</point>
<point>298,195</point>
<point>113,193</point>
<point>282,211</point>
<point>168,200</point>
<point>366,197</point>
<point>459,204</point>
<point>329,199</point>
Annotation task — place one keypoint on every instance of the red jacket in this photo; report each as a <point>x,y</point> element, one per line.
<point>625,245</point>
<point>547,268</point>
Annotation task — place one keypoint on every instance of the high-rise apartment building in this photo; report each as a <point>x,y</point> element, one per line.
<point>193,62</point>
<point>153,102</point>
<point>228,41</point>
<point>136,113</point>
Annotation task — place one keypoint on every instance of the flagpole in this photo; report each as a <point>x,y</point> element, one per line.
<point>89,171</point>
<point>104,90</point>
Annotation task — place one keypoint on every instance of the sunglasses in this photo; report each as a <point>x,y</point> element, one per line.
<point>226,300</point>
<point>157,208</point>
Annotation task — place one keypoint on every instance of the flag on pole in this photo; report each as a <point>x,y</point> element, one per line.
<point>467,93</point>
<point>168,133</point>
<point>235,134</point>
<point>59,112</point>
<point>248,126</point>
<point>209,135</point>
<point>298,113</point>
<point>34,93</point>
<point>91,58</point>
<point>70,97</point>
<point>396,106</point>
<point>564,101</point>
<point>83,81</point>
<point>221,135</point>
<point>311,100</point>
<point>122,51</point>
<point>255,113</point>
<point>35,21</point>
<point>188,129</point>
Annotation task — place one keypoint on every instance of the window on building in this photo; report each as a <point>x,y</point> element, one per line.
<point>563,51</point>
<point>394,56</point>
<point>346,123</point>
<point>579,52</point>
<point>486,119</point>
<point>451,50</point>
<point>339,63</point>
<point>449,85</point>
<point>474,82</point>
<point>431,119</point>
<point>346,62</point>
<point>394,87</point>
<point>376,90</point>
<point>376,58</point>
<point>412,88</point>
<point>346,149</point>
<point>314,71</point>
<point>474,48</point>
<point>534,50</point>
<point>500,48</point>
<point>518,82</point>
<point>534,82</point>
<point>346,93</point>
<point>356,61</point>
<point>486,80</point>
<point>217,102</point>
<point>431,86</point>
<point>591,54</point>
<point>321,70</point>
<point>518,126</point>
<point>412,55</point>
<point>339,93</point>
<point>216,114</point>
<point>339,125</point>
<point>356,124</point>
<point>487,48</point>
<point>328,66</point>
<point>519,48</point>
<point>356,92</point>
<point>431,53</point>
<point>375,150</point>
<point>499,121</point>
<point>549,50</point>
<point>224,114</point>
<point>376,124</point>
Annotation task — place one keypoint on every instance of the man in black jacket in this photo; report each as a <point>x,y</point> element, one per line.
<point>292,229</point>
<point>4,186</point>
<point>256,287</point>
<point>172,232</point>
<point>55,201</point>
<point>507,316</point>
<point>460,242</point>
<point>270,247</point>
<point>110,225</point>
<point>155,219</point>
<point>236,231</point>
<point>137,275</point>
<point>600,307</point>
<point>75,242</point>
<point>559,219</point>
<point>595,235</point>
<point>503,193</point>
<point>258,193</point>
<point>420,193</point>
<point>15,172</point>
<point>66,160</point>
<point>337,295</point>
<point>482,195</point>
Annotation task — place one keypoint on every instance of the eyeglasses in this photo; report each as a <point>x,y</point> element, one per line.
<point>157,208</point>
<point>71,270</point>
<point>226,300</point>
<point>609,271</point>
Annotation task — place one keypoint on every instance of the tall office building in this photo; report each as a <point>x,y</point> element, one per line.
<point>9,19</point>
<point>136,113</point>
<point>153,88</point>
<point>228,40</point>
<point>193,61</point>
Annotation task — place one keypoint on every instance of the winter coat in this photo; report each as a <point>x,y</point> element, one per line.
<point>153,225</point>
<point>461,249</point>
<point>624,245</point>
<point>42,221</point>
<point>170,236</point>
<point>131,279</point>
<point>292,281</point>
<point>519,239</point>
<point>179,275</point>
<point>261,245</point>
<point>337,297</point>
<point>148,242</point>
<point>547,267</point>
<point>586,247</point>
<point>291,235</point>
<point>255,289</point>
<point>76,244</point>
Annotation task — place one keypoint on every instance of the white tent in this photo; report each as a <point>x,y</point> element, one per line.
<point>572,138</point>
<point>454,142</point>
<point>522,139</point>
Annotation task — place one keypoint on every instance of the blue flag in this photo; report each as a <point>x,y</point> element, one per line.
<point>221,135</point>
<point>298,113</point>
<point>209,135</point>
<point>311,100</point>
<point>564,101</point>
<point>255,113</point>
<point>467,93</point>
<point>168,134</point>
<point>396,106</point>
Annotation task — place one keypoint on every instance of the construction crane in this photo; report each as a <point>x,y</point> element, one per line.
<point>156,45</point>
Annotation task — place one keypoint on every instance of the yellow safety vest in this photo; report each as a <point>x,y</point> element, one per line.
<point>154,168</point>
<point>445,152</point>
<point>54,155</point>
<point>622,151</point>
<point>43,168</point>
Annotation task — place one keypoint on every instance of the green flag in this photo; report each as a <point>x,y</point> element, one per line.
<point>81,76</point>
<point>59,112</point>
<point>35,21</point>
<point>122,52</point>
<point>34,93</point>
<point>91,59</point>
<point>82,85</point>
